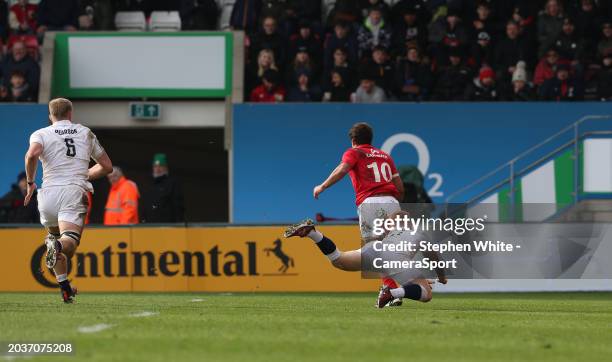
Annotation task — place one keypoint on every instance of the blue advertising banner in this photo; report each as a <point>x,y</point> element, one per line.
<point>17,122</point>
<point>280,152</point>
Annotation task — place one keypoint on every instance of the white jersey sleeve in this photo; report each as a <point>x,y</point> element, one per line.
<point>96,148</point>
<point>37,137</point>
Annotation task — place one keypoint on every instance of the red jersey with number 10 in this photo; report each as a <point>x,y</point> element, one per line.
<point>371,172</point>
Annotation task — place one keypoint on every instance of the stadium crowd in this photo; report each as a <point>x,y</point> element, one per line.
<point>364,50</point>
<point>415,50</point>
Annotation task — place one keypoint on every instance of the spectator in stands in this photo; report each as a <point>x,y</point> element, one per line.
<point>446,33</point>
<point>452,79</point>
<point>366,5</point>
<point>270,91</point>
<point>562,87</point>
<point>409,30</point>
<point>199,14</point>
<point>569,45</point>
<point>482,51</point>
<point>122,202</point>
<point>368,91</point>
<point>605,44</point>
<point>340,38</point>
<point>509,51</point>
<point>587,21</point>
<point>4,94</point>
<point>525,14</point>
<point>344,11</point>
<point>11,204</point>
<point>483,88</point>
<point>303,91</point>
<point>520,90</point>
<point>22,18</point>
<point>4,26</point>
<point>306,38</point>
<point>21,61</point>
<point>413,78</point>
<point>57,15</point>
<point>374,31</point>
<point>96,15</point>
<point>302,11</point>
<point>301,63</point>
<point>546,67</point>
<point>338,90</point>
<point>420,7</point>
<point>277,9</point>
<point>269,38</point>
<point>484,21</point>
<point>245,16</point>
<point>550,24</point>
<point>340,62</point>
<point>604,77</point>
<point>19,89</point>
<point>383,70</point>
<point>265,61</point>
<point>164,203</point>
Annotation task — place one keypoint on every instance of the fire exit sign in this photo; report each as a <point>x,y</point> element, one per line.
<point>145,110</point>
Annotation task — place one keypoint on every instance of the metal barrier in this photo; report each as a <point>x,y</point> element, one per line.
<point>511,165</point>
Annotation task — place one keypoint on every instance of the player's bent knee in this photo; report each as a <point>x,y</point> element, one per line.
<point>346,265</point>
<point>70,240</point>
<point>72,235</point>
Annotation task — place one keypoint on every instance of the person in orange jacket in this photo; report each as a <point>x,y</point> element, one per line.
<point>122,204</point>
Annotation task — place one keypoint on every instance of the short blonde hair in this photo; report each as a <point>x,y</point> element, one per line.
<point>60,108</point>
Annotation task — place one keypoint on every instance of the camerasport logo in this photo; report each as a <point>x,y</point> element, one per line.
<point>247,259</point>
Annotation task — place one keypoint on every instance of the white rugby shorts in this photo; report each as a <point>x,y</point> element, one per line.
<point>375,207</point>
<point>62,203</point>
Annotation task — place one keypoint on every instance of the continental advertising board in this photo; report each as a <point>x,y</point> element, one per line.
<point>242,259</point>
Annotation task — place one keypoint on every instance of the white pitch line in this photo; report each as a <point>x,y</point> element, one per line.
<point>195,300</point>
<point>95,328</point>
<point>143,314</point>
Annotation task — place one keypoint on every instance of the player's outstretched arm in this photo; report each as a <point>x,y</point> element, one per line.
<point>337,174</point>
<point>31,163</point>
<point>103,167</point>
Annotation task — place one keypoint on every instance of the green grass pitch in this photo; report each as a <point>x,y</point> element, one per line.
<point>324,327</point>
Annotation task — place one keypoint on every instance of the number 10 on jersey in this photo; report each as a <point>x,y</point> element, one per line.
<point>385,171</point>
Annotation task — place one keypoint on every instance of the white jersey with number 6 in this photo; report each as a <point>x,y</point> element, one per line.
<point>67,150</point>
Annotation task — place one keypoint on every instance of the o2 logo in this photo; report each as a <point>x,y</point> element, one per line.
<point>423,157</point>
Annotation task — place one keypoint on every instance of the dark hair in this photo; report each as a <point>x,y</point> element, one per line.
<point>361,133</point>
<point>342,49</point>
<point>18,73</point>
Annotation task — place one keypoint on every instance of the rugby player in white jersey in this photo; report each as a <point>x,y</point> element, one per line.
<point>412,284</point>
<point>65,150</point>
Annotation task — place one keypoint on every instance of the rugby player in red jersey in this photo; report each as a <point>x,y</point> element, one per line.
<point>378,187</point>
